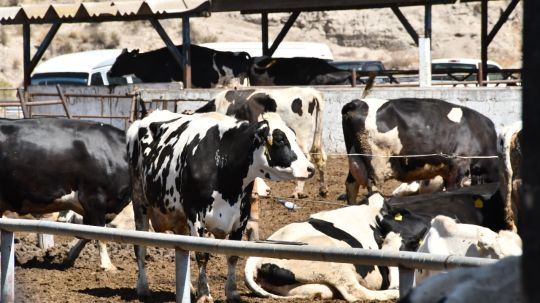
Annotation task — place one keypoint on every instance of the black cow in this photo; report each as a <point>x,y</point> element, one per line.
<point>376,131</point>
<point>49,165</point>
<point>210,68</point>
<point>296,71</point>
<point>195,173</point>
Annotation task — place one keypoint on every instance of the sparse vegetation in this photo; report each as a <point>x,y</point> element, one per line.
<point>4,37</point>
<point>198,37</point>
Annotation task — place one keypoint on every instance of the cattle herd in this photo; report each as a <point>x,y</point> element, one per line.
<point>198,174</point>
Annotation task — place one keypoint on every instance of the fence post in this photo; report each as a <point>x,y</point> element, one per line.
<point>406,280</point>
<point>183,281</point>
<point>7,265</point>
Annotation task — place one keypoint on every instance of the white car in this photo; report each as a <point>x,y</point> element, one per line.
<point>442,65</point>
<point>82,68</point>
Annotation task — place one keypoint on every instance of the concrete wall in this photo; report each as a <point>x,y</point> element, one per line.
<point>501,105</point>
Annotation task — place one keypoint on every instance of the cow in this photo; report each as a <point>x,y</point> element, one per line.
<point>49,165</point>
<point>509,149</point>
<point>373,225</point>
<point>301,109</point>
<point>210,68</point>
<point>447,237</point>
<point>269,71</point>
<point>499,282</point>
<point>419,187</point>
<point>477,204</point>
<point>412,139</point>
<point>194,174</point>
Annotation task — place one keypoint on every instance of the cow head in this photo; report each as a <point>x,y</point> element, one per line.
<point>410,226</point>
<point>123,65</point>
<point>279,157</point>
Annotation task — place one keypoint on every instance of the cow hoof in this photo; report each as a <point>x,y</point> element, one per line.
<point>342,197</point>
<point>234,299</point>
<point>111,269</point>
<point>205,299</point>
<point>323,192</point>
<point>299,196</point>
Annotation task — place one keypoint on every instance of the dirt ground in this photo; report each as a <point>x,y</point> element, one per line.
<point>40,276</point>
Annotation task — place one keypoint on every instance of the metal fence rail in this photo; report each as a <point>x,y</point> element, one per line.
<point>406,261</point>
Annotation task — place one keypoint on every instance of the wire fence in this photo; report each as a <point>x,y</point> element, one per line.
<point>448,156</point>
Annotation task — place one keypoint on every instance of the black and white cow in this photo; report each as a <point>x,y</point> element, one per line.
<point>510,170</point>
<point>424,129</point>
<point>49,165</point>
<point>296,71</point>
<point>195,173</point>
<point>210,68</point>
<point>300,108</point>
<point>373,225</point>
<point>477,204</point>
<point>448,237</point>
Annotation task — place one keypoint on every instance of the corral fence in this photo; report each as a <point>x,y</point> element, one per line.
<point>405,261</point>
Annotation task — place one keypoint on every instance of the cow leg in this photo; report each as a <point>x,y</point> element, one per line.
<point>141,223</point>
<point>252,227</point>
<point>203,290</point>
<point>74,252</point>
<point>299,190</point>
<point>105,261</point>
<point>231,293</point>
<point>457,174</point>
<point>319,159</point>
<point>351,187</point>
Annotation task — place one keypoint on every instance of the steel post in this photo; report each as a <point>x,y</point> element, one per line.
<point>183,289</point>
<point>7,266</point>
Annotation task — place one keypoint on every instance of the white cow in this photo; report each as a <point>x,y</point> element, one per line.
<point>447,237</point>
<point>496,283</point>
<point>509,170</point>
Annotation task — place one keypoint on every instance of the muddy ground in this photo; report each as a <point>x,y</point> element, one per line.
<point>40,276</point>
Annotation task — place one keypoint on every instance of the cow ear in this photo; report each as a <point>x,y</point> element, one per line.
<point>262,132</point>
<point>135,52</point>
<point>124,51</point>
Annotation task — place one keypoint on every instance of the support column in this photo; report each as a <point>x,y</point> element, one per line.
<point>186,41</point>
<point>183,289</point>
<point>7,265</point>
<point>26,54</point>
<point>484,39</point>
<point>529,223</point>
<point>264,33</point>
<point>424,64</point>
<point>406,280</point>
<point>427,21</point>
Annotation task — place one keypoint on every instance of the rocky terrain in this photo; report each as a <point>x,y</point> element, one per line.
<point>356,34</point>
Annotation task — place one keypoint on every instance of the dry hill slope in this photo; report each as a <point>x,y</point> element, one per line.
<point>358,34</point>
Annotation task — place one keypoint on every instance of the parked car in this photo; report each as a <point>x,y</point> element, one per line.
<point>363,65</point>
<point>439,68</point>
<point>82,68</point>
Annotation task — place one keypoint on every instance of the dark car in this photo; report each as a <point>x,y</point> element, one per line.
<point>362,65</point>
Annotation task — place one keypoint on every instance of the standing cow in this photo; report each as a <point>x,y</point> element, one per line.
<point>195,173</point>
<point>300,108</point>
<point>210,68</point>
<point>49,165</point>
<point>510,170</point>
<point>376,131</point>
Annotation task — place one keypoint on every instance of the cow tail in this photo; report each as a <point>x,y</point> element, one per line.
<point>249,275</point>
<point>143,111</point>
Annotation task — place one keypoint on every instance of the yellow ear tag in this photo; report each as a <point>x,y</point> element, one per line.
<point>478,203</point>
<point>398,217</point>
<point>269,140</point>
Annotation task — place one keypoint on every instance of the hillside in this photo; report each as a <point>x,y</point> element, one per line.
<point>359,34</point>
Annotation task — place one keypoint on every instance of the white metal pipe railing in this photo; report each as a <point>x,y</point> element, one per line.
<point>402,259</point>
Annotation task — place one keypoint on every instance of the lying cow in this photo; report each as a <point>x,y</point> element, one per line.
<point>497,283</point>
<point>373,225</point>
<point>195,173</point>
<point>49,165</point>
<point>296,71</point>
<point>447,237</point>
<point>477,204</point>
<point>510,170</point>
<point>210,68</point>
<point>376,131</point>
<point>419,187</point>
<point>301,109</point>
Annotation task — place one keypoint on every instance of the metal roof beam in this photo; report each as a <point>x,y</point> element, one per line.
<point>283,32</point>
<point>502,20</point>
<point>44,45</point>
<point>408,27</point>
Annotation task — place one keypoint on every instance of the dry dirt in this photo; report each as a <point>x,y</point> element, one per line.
<point>40,276</point>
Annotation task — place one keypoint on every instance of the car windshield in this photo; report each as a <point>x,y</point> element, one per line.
<point>59,78</point>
